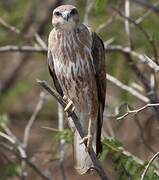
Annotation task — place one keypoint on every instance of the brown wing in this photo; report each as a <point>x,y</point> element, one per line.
<point>98,54</point>
<point>52,73</point>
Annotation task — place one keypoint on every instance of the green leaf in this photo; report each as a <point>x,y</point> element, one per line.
<point>104,154</point>
<point>112,144</point>
<point>66,134</point>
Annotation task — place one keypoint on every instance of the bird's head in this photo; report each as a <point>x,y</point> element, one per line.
<point>65,17</point>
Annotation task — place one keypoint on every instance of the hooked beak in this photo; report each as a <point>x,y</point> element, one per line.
<point>66,16</point>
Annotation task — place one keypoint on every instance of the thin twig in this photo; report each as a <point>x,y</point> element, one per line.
<point>131,90</point>
<point>137,110</point>
<point>32,119</point>
<point>148,165</point>
<point>109,48</point>
<point>147,5</point>
<point>89,6</point>
<point>28,162</point>
<point>79,128</point>
<point>10,27</point>
<point>15,143</point>
<point>150,93</point>
<point>141,57</point>
<point>140,19</point>
<point>147,36</point>
<point>40,41</point>
<point>106,24</point>
<point>29,49</point>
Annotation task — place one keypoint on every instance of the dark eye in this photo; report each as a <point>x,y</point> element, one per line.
<point>74,11</point>
<point>57,13</point>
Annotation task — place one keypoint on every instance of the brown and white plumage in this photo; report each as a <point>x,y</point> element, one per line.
<point>76,61</point>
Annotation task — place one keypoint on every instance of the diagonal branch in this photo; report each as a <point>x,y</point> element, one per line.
<point>149,39</point>
<point>28,162</point>
<point>137,110</point>
<point>78,126</point>
<point>147,5</point>
<point>123,86</point>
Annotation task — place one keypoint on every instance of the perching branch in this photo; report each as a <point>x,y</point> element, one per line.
<point>79,128</point>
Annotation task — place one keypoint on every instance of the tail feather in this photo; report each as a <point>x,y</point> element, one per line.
<point>82,160</point>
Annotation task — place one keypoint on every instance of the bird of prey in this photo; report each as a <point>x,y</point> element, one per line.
<point>76,62</point>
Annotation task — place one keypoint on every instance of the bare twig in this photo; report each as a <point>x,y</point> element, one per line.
<point>147,36</point>
<point>148,165</point>
<point>142,58</point>
<point>28,162</point>
<point>137,110</point>
<point>28,128</point>
<point>32,119</point>
<point>106,24</point>
<point>89,6</point>
<point>10,27</point>
<point>15,144</point>
<point>147,5</point>
<point>140,19</point>
<point>109,48</point>
<point>79,128</point>
<point>40,42</point>
<point>29,49</point>
<point>150,93</point>
<point>131,90</point>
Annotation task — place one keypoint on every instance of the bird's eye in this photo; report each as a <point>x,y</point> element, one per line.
<point>74,11</point>
<point>57,13</point>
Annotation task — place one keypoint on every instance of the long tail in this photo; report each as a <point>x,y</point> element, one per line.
<point>83,161</point>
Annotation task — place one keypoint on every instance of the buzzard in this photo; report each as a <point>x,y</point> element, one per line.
<point>76,62</point>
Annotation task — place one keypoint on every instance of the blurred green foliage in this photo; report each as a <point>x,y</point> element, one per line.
<point>9,170</point>
<point>66,135</point>
<point>125,163</point>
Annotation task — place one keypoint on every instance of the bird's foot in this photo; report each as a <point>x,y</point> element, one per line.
<point>88,140</point>
<point>70,106</point>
